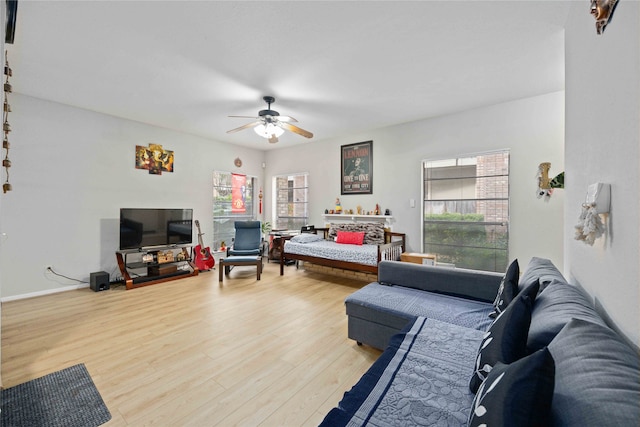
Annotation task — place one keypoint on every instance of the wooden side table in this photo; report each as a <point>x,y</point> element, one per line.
<point>418,258</point>
<point>276,241</point>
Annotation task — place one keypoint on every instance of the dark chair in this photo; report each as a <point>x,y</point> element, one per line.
<point>246,249</point>
<point>248,239</point>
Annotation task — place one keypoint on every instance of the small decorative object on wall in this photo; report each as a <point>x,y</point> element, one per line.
<point>154,158</point>
<point>356,168</point>
<point>237,162</point>
<point>590,226</point>
<point>602,11</point>
<point>546,185</point>
<point>260,198</point>
<point>6,128</point>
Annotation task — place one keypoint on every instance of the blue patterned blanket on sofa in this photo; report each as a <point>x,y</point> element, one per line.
<point>422,378</point>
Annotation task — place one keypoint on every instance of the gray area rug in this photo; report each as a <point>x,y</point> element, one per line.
<point>65,398</point>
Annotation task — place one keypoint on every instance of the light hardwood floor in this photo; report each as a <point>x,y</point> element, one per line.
<point>194,352</point>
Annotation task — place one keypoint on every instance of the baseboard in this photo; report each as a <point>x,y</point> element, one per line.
<point>42,293</point>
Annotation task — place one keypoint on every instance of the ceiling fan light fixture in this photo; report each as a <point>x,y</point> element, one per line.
<point>266,131</point>
<point>270,124</point>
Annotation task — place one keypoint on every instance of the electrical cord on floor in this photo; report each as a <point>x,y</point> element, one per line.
<point>117,280</point>
<point>66,277</point>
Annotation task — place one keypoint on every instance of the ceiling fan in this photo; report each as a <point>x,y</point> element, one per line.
<point>270,124</point>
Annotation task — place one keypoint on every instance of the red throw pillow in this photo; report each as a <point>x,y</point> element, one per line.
<point>350,237</point>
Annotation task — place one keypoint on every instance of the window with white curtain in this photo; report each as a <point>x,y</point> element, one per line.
<point>466,210</point>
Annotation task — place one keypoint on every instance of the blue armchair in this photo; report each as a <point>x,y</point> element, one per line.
<point>248,239</point>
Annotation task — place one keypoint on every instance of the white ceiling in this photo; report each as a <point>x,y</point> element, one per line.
<point>337,67</point>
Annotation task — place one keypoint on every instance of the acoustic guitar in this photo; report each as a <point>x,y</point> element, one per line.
<point>204,260</point>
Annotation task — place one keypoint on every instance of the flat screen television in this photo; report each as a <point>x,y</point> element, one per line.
<point>144,227</point>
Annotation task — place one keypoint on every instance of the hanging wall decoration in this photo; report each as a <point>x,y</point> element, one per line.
<point>545,184</point>
<point>602,11</point>
<point>6,128</point>
<point>238,193</point>
<point>590,225</point>
<point>154,158</point>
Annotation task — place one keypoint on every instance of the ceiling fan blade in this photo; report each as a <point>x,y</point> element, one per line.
<point>287,119</point>
<point>295,129</point>
<point>247,126</point>
<point>246,117</point>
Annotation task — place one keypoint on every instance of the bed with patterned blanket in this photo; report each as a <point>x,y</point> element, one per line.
<point>421,379</point>
<point>321,247</point>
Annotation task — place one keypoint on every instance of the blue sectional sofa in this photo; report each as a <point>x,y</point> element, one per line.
<point>381,309</point>
<point>464,347</point>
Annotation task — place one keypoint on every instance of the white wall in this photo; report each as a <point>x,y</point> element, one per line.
<point>73,170</point>
<point>602,144</point>
<point>533,129</point>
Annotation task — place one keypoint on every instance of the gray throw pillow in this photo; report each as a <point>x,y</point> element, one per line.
<point>597,377</point>
<point>306,238</point>
<point>555,307</point>
<point>540,269</point>
<point>373,231</point>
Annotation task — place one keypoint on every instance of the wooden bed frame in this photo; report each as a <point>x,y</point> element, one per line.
<point>400,240</point>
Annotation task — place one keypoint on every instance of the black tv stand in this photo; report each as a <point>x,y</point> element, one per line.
<point>157,272</point>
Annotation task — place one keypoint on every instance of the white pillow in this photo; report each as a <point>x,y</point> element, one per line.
<point>306,238</point>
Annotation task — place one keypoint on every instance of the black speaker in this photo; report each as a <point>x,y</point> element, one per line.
<point>99,281</point>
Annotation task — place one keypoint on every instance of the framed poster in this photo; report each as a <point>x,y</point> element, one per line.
<point>356,168</point>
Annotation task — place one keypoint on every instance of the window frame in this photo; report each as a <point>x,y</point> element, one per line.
<point>502,223</point>
<point>249,215</point>
<point>294,221</point>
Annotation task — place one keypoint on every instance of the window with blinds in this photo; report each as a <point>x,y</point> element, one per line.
<point>291,202</point>
<point>466,211</point>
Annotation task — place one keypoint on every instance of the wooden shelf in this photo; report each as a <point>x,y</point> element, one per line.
<point>387,219</point>
<point>357,216</point>
<point>132,282</point>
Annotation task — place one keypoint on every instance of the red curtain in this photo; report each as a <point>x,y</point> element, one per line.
<point>238,187</point>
